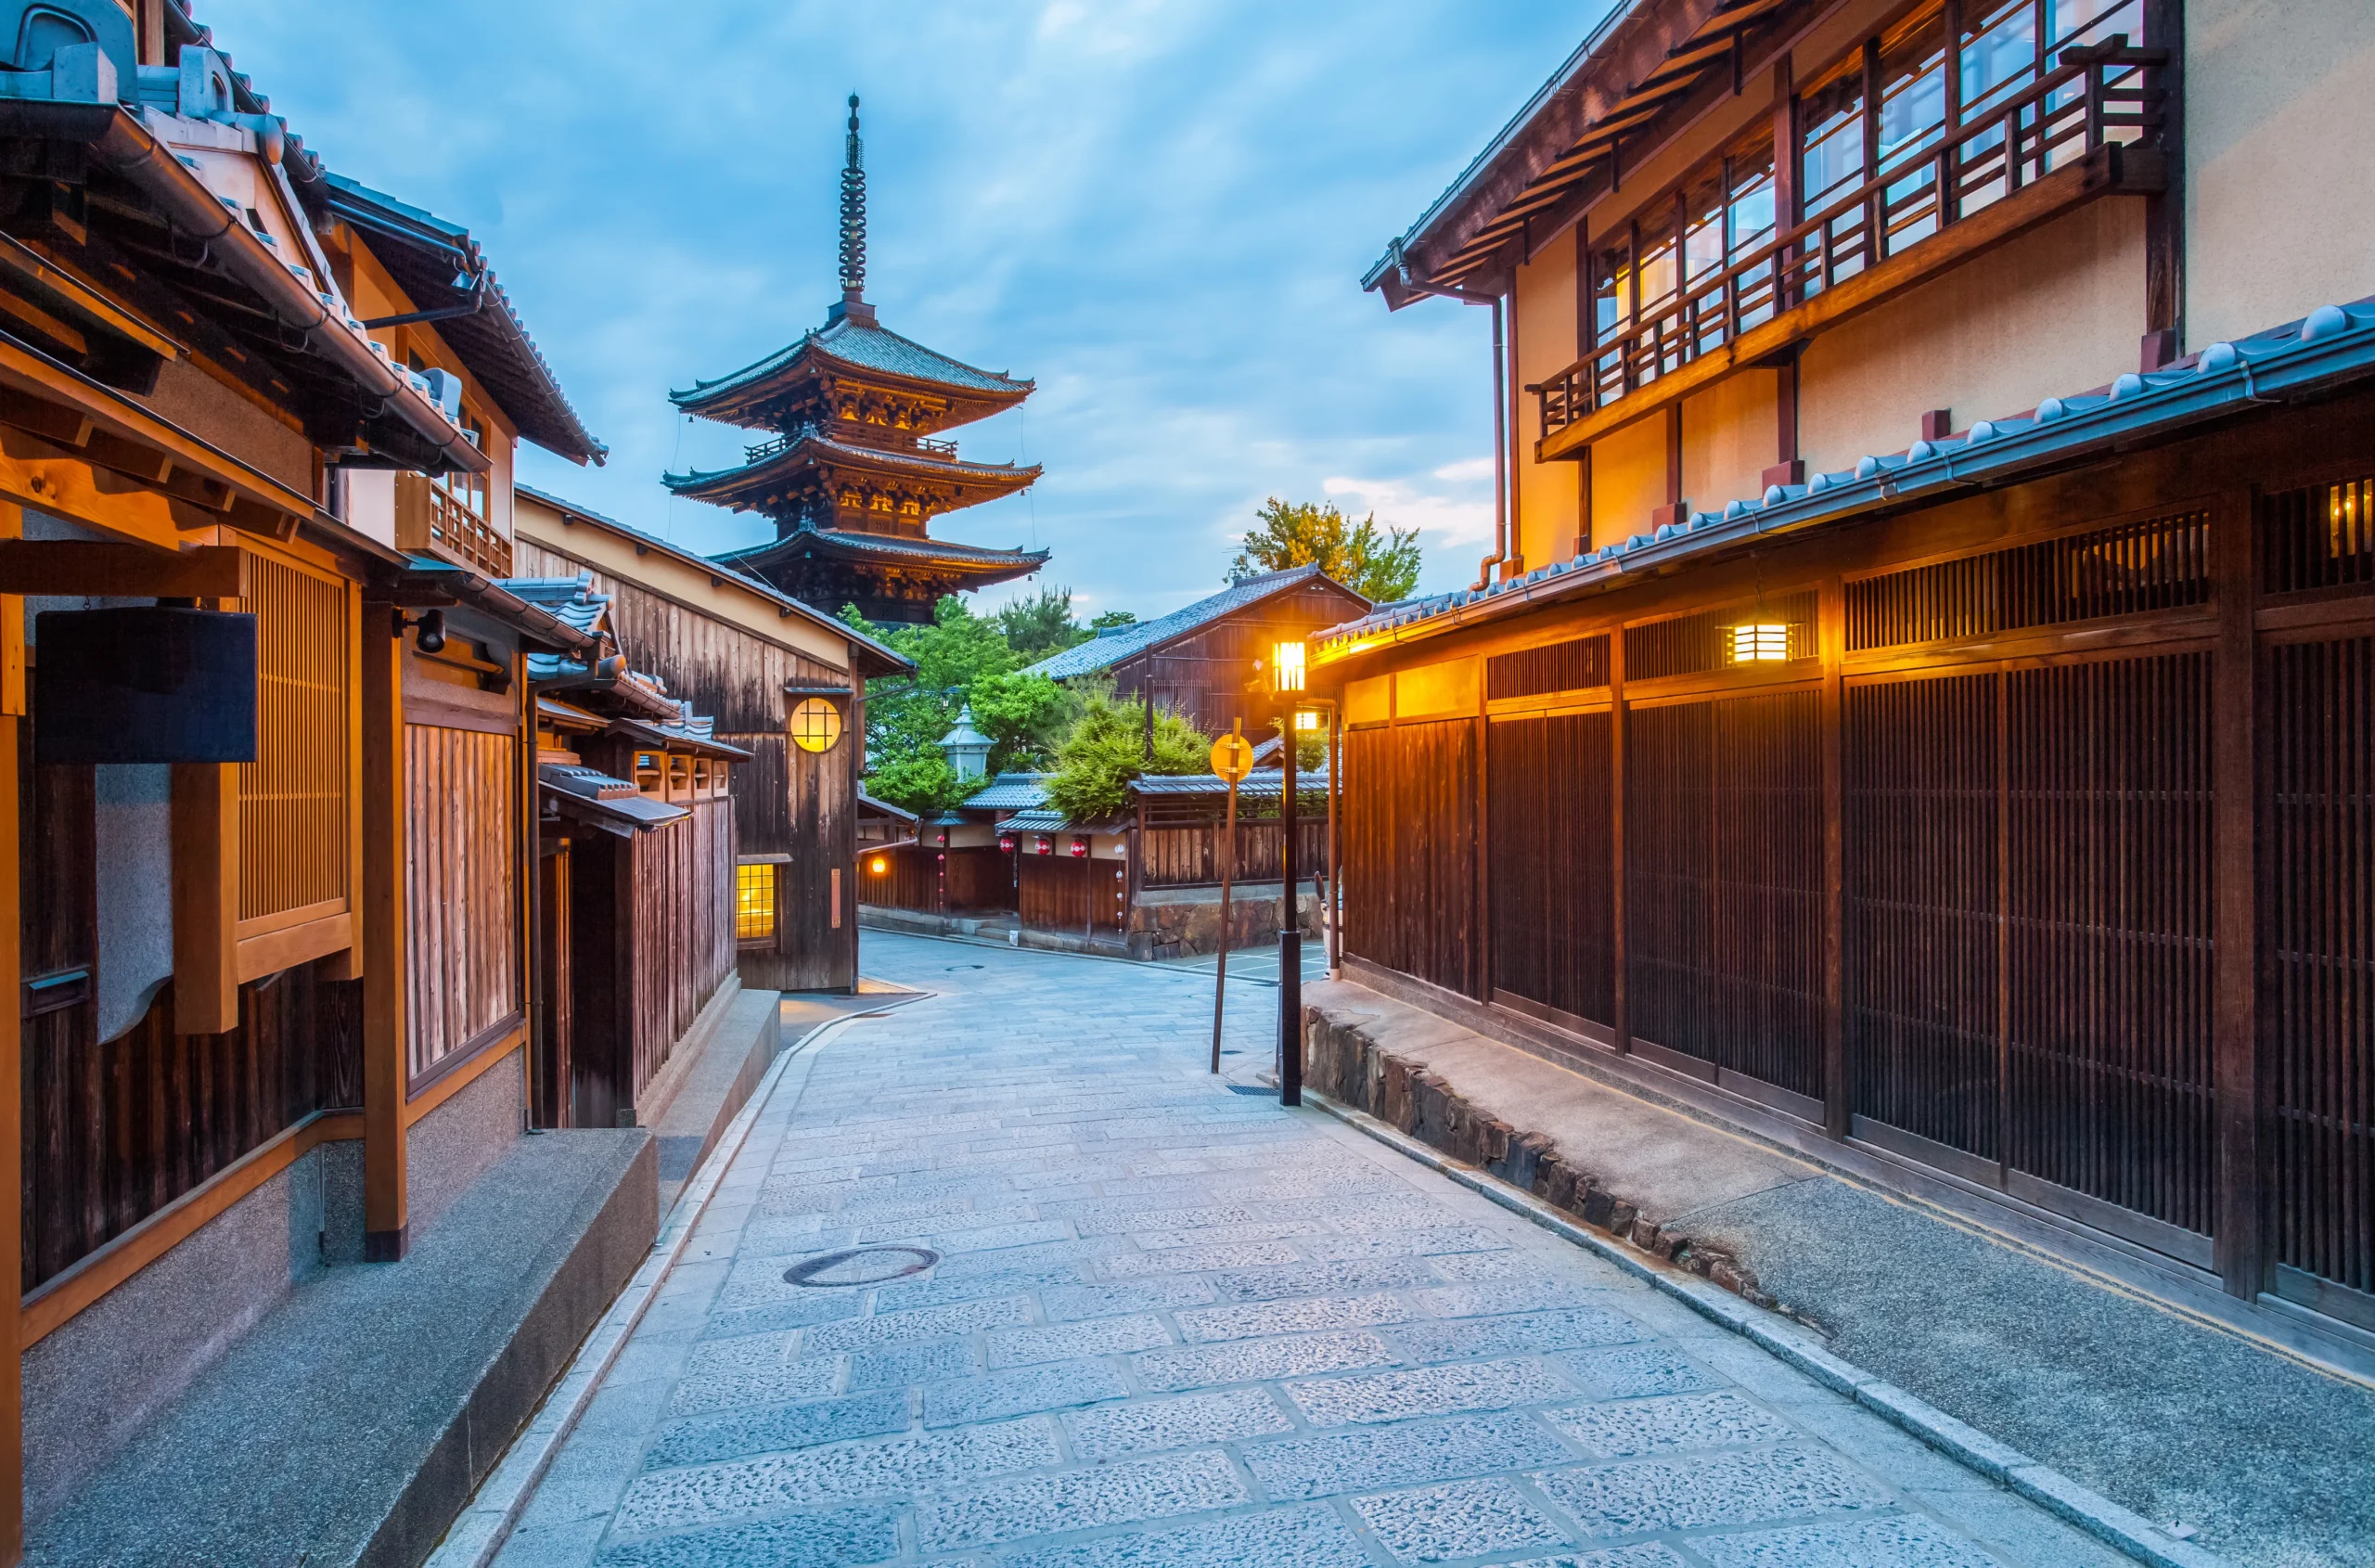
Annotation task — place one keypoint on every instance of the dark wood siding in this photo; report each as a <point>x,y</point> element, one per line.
<point>683,881</point>
<point>1205,675</point>
<point>1553,911</point>
<point>1409,841</point>
<point>1058,892</point>
<point>1190,855</point>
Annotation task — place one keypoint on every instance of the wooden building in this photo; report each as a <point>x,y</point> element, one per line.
<point>264,704</point>
<point>1199,661</point>
<point>780,681</point>
<point>856,466</point>
<point>1921,706</point>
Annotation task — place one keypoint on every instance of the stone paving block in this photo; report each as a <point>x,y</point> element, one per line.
<point>1078,1499</point>
<point>1051,1387</point>
<point>1190,1260</point>
<point>1431,1242</point>
<point>1371,1458</point>
<point>744,1354</point>
<point>707,1494</point>
<point>1649,1554</point>
<point>1498,1296</point>
<point>1259,1360</point>
<point>1063,1342</point>
<point>1620,1430</point>
<point>1318,1278</point>
<point>762,1385</point>
<point>1904,1542</point>
<point>999,1238</point>
<point>1561,1328</point>
<point>1462,1518</point>
<point>1464,1268</point>
<point>1299,1538</point>
<point>817,1306</point>
<point>1149,1426</point>
<point>1065,1303</point>
<point>822,1538</point>
<point>1640,1496</point>
<point>1425,1391</point>
<point>1634,1371</point>
<point>921,1361</point>
<point>778,1429</point>
<point>939,1290</point>
<point>929,1322</point>
<point>1305,1315</point>
<point>1114,1221</point>
<point>1221,1235</point>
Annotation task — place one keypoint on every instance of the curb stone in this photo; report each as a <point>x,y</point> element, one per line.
<point>480,1533</point>
<point>2121,1529</point>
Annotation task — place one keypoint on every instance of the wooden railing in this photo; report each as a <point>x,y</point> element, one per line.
<point>2096,96</point>
<point>429,522</point>
<point>872,436</point>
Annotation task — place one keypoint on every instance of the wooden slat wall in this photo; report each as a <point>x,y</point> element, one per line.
<point>683,880</point>
<point>939,882</point>
<point>1553,910</point>
<point>1409,847</point>
<point>1057,892</point>
<point>462,937</point>
<point>1723,855</point>
<point>1190,856</point>
<point>293,798</point>
<point>1203,677</point>
<point>786,801</point>
<point>909,880</point>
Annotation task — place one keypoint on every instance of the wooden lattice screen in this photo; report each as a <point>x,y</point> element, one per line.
<point>2160,564</point>
<point>293,798</point>
<point>1577,664</point>
<point>1409,850</point>
<point>1553,907</point>
<point>1724,876</point>
<point>461,929</point>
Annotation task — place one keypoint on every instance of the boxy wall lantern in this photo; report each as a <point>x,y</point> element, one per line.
<point>1759,642</point>
<point>1286,667</point>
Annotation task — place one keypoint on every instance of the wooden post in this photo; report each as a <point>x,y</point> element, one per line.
<point>1586,321</point>
<point>1621,1022</point>
<point>527,858</point>
<point>2164,210</point>
<point>386,1222</point>
<point>1335,900</point>
<point>12,1111</point>
<point>1833,641</point>
<point>205,832</point>
<point>2238,1073</point>
<point>1786,213</point>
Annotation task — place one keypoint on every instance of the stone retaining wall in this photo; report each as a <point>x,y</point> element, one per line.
<point>1341,1061</point>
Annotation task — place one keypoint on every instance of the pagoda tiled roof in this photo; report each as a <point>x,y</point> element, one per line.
<point>833,544</point>
<point>811,449</point>
<point>854,342</point>
<point>1123,643</point>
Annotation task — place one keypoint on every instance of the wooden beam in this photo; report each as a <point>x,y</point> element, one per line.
<point>77,566</point>
<point>1831,634</point>
<point>12,1128</point>
<point>2063,190</point>
<point>385,1070</point>
<point>205,818</point>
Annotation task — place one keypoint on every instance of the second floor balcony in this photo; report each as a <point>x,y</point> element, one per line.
<point>1709,279</point>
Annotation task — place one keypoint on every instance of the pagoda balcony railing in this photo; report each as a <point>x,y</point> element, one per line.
<point>430,521</point>
<point>2106,96</point>
<point>890,442</point>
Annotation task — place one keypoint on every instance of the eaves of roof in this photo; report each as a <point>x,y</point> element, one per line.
<point>1130,642</point>
<point>887,660</point>
<point>814,450</point>
<point>861,345</point>
<point>2331,347</point>
<point>838,544</point>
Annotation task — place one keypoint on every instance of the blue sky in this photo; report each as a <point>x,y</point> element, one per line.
<point>1159,209</point>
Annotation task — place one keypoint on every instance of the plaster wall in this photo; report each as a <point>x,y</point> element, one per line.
<point>2278,140</point>
<point>1546,493</point>
<point>2060,310</point>
<point>1730,435</point>
<point>1628,479</point>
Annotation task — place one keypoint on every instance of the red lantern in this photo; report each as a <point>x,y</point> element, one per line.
<point>1080,848</point>
<point>1005,843</point>
<point>1043,846</point>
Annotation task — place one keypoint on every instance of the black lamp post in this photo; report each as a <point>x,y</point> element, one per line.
<point>1287,682</point>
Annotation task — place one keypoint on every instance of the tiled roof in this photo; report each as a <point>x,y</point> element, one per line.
<point>822,451</point>
<point>425,253</point>
<point>835,543</point>
<point>1010,791</point>
<point>594,796</point>
<point>868,346</point>
<point>2333,344</point>
<point>1126,642</point>
<point>885,807</point>
<point>1040,821</point>
<point>1262,781</point>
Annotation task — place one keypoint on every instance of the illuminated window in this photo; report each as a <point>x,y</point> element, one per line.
<point>754,901</point>
<point>816,725</point>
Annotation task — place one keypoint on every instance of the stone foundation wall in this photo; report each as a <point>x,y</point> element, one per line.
<point>1184,923</point>
<point>1344,1063</point>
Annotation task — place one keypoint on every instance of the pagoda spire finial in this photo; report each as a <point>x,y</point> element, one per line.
<point>854,216</point>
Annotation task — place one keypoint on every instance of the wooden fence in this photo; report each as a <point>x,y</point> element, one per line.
<point>682,879</point>
<point>2047,861</point>
<point>1191,854</point>
<point>461,900</point>
<point>938,882</point>
<point>1057,892</point>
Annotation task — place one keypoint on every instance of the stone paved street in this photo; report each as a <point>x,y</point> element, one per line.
<point>1173,1324</point>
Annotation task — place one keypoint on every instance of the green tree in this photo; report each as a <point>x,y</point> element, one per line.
<point>1380,567</point>
<point>1107,748</point>
<point>1113,618</point>
<point>1041,625</point>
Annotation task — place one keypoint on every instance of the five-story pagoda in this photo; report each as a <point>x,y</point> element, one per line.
<point>854,474</point>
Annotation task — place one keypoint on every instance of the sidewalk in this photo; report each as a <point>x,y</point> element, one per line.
<point>1165,1323</point>
<point>2182,1420</point>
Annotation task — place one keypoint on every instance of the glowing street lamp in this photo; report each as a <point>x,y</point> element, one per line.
<point>1286,667</point>
<point>1759,642</point>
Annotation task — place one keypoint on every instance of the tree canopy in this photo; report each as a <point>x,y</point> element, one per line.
<point>1107,748</point>
<point>1041,625</point>
<point>961,658</point>
<point>1382,567</point>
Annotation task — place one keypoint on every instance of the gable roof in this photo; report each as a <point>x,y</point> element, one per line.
<point>426,256</point>
<point>1123,643</point>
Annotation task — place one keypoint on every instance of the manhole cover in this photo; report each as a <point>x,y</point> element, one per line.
<point>860,1265</point>
<point>1252,1088</point>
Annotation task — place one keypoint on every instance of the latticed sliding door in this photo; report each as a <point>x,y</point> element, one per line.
<point>1549,821</point>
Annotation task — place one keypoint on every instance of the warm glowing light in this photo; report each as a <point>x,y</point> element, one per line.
<point>816,725</point>
<point>1080,849</point>
<point>1286,667</point>
<point>1759,642</point>
<point>878,865</point>
<point>1005,843</point>
<point>754,901</point>
<point>1304,719</point>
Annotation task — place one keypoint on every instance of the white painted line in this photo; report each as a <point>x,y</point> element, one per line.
<point>2121,1529</point>
<point>486,1523</point>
